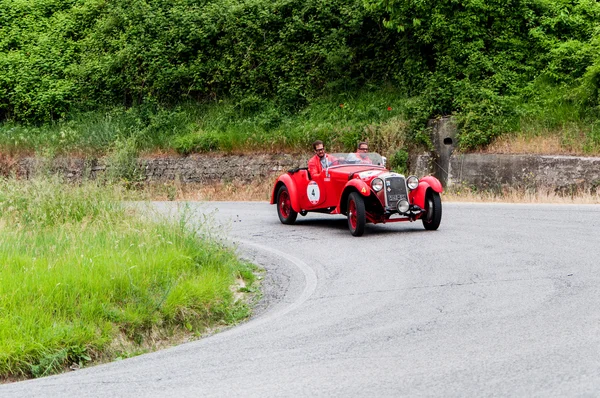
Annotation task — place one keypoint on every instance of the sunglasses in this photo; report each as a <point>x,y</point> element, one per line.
<point>363,149</point>
<point>319,150</point>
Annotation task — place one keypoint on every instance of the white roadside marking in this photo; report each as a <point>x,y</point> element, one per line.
<point>268,316</point>
<point>309,275</point>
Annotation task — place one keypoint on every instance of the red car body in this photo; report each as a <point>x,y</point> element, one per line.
<point>365,193</point>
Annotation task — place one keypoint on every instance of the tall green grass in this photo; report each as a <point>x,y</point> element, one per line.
<point>385,117</point>
<point>555,111</point>
<point>84,278</point>
<point>250,124</point>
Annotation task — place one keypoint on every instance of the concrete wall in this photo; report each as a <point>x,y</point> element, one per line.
<point>443,138</point>
<point>489,171</point>
<point>495,171</point>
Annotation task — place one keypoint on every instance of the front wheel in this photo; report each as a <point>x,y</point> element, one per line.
<point>287,215</point>
<point>433,211</point>
<point>357,217</point>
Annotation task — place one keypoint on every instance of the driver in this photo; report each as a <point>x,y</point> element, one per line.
<point>320,161</point>
<point>361,153</point>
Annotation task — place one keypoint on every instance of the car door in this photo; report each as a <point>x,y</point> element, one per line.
<point>316,191</point>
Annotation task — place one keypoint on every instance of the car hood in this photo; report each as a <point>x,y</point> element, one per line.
<point>366,172</point>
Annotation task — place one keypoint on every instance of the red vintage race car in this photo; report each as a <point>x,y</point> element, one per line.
<point>364,192</point>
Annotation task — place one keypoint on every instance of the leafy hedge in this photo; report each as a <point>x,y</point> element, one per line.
<point>481,60</point>
<point>58,55</point>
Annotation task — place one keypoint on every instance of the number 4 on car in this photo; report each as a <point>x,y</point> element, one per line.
<point>365,193</point>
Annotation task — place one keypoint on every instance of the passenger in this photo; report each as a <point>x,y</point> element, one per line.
<point>361,153</point>
<point>320,161</point>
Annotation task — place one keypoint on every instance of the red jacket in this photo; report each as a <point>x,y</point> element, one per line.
<point>314,166</point>
<point>363,159</point>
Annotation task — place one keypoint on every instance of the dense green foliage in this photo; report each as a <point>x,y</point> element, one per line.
<point>56,55</point>
<point>83,278</point>
<point>488,60</point>
<point>491,63</point>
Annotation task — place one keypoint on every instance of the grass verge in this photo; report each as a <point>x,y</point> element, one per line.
<point>84,279</point>
<point>518,195</point>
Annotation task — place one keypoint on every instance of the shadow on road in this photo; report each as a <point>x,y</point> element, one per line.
<point>340,225</point>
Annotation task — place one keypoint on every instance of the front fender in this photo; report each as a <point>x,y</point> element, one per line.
<point>287,180</point>
<point>359,185</point>
<point>354,185</point>
<point>417,196</point>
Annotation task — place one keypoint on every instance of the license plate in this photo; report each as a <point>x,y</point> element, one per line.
<point>395,198</point>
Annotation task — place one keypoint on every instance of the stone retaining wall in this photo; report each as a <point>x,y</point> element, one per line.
<point>484,171</point>
<point>208,168</point>
<point>189,169</point>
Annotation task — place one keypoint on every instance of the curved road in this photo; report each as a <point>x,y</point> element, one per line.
<point>501,300</point>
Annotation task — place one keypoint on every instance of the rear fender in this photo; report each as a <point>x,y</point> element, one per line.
<point>286,180</point>
<point>417,196</point>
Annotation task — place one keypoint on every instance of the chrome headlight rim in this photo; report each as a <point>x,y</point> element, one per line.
<point>377,184</point>
<point>412,182</point>
<point>403,206</point>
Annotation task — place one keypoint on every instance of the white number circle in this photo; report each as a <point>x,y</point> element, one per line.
<point>313,193</point>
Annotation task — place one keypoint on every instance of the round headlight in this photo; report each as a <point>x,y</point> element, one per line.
<point>403,206</point>
<point>377,184</point>
<point>412,182</point>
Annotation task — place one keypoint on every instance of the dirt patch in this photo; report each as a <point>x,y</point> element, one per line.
<point>7,164</point>
<point>552,144</point>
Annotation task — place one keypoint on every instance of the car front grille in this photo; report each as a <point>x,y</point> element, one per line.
<point>395,190</point>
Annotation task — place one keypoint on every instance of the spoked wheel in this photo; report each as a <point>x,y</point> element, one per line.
<point>433,211</point>
<point>286,213</point>
<point>357,216</point>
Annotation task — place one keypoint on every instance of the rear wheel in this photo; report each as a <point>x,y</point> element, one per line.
<point>357,216</point>
<point>433,211</point>
<point>286,214</point>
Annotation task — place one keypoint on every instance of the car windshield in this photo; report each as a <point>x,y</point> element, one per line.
<point>357,158</point>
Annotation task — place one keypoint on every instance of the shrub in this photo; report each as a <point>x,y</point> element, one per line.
<point>399,162</point>
<point>196,142</point>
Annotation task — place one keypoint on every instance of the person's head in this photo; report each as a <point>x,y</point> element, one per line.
<point>319,148</point>
<point>363,148</point>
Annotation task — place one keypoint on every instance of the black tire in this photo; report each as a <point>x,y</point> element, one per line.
<point>287,215</point>
<point>433,211</point>
<point>357,216</point>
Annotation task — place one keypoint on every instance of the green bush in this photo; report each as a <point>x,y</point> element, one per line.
<point>272,59</point>
<point>399,162</point>
<point>123,163</point>
<point>477,59</point>
<point>59,56</point>
<point>196,142</point>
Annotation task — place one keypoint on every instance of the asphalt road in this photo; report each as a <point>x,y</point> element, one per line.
<point>502,300</point>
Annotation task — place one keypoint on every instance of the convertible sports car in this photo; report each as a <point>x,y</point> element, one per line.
<point>360,188</point>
